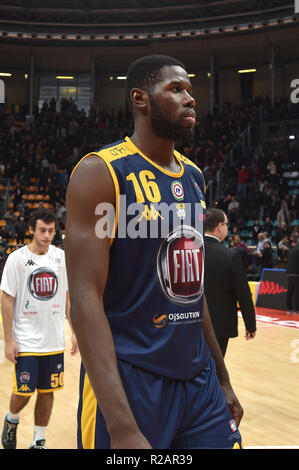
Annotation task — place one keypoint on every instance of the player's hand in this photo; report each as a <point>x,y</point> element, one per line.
<point>127,440</point>
<point>11,351</point>
<point>233,404</point>
<point>74,348</point>
<point>250,335</point>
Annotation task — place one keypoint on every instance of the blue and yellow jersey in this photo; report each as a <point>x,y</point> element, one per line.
<point>154,293</point>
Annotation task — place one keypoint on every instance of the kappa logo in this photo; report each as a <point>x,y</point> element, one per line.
<point>150,213</point>
<point>24,388</point>
<point>30,262</point>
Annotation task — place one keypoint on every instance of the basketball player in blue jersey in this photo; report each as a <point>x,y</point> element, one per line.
<point>152,374</point>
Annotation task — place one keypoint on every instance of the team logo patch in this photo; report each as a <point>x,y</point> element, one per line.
<point>180,265</point>
<point>43,284</point>
<point>177,190</point>
<point>24,377</point>
<point>233,425</point>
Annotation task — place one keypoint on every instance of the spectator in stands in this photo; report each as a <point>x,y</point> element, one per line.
<point>243,179</point>
<point>281,231</point>
<point>42,180</point>
<point>63,178</point>
<point>266,256</point>
<point>293,207</point>
<point>60,210</point>
<point>21,228</point>
<point>261,237</point>
<point>233,210</point>
<point>252,207</point>
<point>260,244</point>
<point>270,202</point>
<point>255,230</point>
<point>4,234</point>
<point>283,214</point>
<point>268,226</point>
<point>272,175</point>
<point>237,244</point>
<point>11,220</point>
<point>18,195</point>
<point>283,248</point>
<point>295,232</point>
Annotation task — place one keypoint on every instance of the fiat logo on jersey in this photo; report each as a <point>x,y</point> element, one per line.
<point>177,190</point>
<point>180,265</point>
<point>42,284</point>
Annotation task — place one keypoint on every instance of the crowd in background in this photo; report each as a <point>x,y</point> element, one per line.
<point>43,151</point>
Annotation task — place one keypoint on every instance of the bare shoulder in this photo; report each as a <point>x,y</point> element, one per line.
<point>90,182</point>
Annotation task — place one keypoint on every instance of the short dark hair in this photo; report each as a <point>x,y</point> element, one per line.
<point>214,217</point>
<point>145,72</point>
<point>42,214</point>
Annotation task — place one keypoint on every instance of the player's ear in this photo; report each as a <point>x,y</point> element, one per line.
<point>139,98</point>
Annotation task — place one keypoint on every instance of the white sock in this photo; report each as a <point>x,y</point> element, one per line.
<point>39,433</point>
<point>14,418</point>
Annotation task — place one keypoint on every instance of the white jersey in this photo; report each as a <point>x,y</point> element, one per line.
<point>39,285</point>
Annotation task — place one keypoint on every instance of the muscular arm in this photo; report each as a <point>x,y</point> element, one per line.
<point>11,349</point>
<point>222,373</point>
<point>74,348</point>
<point>87,260</point>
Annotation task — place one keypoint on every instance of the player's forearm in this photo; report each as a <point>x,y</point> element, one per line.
<point>7,316</point>
<point>96,346</point>
<point>212,342</point>
<point>68,310</point>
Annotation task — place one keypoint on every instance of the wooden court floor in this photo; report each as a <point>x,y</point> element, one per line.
<point>264,373</point>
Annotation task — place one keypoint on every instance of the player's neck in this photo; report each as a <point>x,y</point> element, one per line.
<point>213,235</point>
<point>160,151</point>
<point>37,249</point>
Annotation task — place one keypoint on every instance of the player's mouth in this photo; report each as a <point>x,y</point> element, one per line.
<point>190,117</point>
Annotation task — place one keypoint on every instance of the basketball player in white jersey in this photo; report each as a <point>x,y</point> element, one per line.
<point>35,302</point>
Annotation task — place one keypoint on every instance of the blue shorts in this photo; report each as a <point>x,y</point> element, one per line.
<point>171,414</point>
<point>43,372</point>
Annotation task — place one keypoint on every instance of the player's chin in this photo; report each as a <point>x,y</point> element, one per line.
<point>187,135</point>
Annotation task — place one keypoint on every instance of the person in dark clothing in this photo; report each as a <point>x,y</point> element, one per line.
<point>292,298</point>
<point>21,228</point>
<point>225,283</point>
<point>266,256</point>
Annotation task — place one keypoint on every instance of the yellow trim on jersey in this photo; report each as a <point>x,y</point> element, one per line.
<point>187,161</point>
<point>40,354</point>
<point>167,172</point>
<point>88,415</point>
<point>49,390</point>
<point>107,158</point>
<point>15,392</point>
<point>81,160</point>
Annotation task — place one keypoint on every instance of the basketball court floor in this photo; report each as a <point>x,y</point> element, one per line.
<point>264,373</point>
